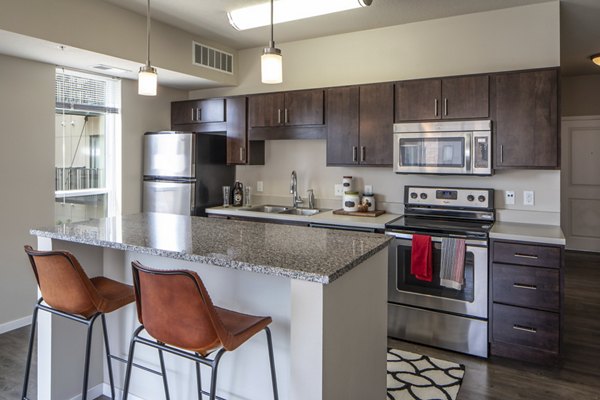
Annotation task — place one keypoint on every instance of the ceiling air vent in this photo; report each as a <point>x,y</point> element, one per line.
<point>210,57</point>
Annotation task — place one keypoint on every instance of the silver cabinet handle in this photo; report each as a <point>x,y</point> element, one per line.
<point>435,107</point>
<point>285,116</point>
<point>279,115</point>
<point>530,256</point>
<point>199,114</point>
<point>193,114</point>
<point>241,154</point>
<point>524,286</point>
<point>362,154</point>
<point>445,106</point>
<point>354,154</point>
<point>501,154</point>
<point>524,329</point>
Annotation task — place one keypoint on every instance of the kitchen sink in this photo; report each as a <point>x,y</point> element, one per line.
<point>272,209</point>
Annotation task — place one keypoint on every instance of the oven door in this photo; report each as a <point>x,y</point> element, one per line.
<point>433,153</point>
<point>404,288</point>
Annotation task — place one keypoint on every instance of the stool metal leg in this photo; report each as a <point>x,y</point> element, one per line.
<point>130,362</point>
<point>164,372</point>
<point>108,359</point>
<point>213,377</point>
<point>88,350</point>
<point>199,380</point>
<point>272,362</point>
<point>30,352</point>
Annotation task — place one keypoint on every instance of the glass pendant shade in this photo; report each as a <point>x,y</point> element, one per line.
<point>596,59</point>
<point>147,81</point>
<point>271,66</point>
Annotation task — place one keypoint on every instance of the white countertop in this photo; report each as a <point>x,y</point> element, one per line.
<point>549,234</point>
<point>327,217</point>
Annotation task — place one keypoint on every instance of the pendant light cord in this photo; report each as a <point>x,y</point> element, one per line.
<point>272,44</point>
<point>148,35</point>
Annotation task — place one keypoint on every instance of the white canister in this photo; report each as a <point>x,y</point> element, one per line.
<point>351,201</point>
<point>369,200</point>
<point>347,185</point>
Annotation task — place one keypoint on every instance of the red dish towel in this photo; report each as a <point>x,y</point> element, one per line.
<point>420,258</point>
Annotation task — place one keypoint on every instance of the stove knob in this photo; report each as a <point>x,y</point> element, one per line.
<point>413,195</point>
<point>423,196</point>
<point>481,198</point>
<point>470,197</point>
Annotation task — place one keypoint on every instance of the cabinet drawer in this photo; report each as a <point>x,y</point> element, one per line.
<point>527,254</point>
<point>521,326</point>
<point>526,286</point>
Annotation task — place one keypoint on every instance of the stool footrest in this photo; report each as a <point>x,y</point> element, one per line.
<point>124,361</point>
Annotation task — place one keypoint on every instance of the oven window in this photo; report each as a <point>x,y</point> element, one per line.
<point>433,152</point>
<point>408,283</point>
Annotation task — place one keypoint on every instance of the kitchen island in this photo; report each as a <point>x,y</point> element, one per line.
<point>325,290</point>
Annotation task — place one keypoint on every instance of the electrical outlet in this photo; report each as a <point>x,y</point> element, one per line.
<point>509,197</point>
<point>338,189</point>
<point>528,198</point>
<point>259,186</point>
<point>368,189</point>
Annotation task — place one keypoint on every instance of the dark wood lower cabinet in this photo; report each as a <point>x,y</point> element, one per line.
<point>526,300</point>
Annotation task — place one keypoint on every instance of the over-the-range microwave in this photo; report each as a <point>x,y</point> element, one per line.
<point>445,147</point>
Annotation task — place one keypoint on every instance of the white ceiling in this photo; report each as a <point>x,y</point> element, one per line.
<point>580,29</point>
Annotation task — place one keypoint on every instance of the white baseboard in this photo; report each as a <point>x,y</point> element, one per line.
<point>118,393</point>
<point>17,323</point>
<point>94,392</point>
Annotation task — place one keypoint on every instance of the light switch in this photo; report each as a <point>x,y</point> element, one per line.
<point>528,198</point>
<point>259,186</point>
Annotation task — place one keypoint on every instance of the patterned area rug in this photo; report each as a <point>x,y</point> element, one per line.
<point>415,377</point>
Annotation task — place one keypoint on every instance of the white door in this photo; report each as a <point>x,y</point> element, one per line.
<point>580,182</point>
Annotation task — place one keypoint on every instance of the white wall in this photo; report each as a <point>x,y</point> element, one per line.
<point>509,39</point>
<point>26,176</point>
<point>580,95</point>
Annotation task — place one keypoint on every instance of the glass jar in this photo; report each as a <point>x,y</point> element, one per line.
<point>351,201</point>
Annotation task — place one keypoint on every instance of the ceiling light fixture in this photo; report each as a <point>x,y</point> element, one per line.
<point>147,77</point>
<point>271,62</point>
<point>595,59</point>
<point>289,10</point>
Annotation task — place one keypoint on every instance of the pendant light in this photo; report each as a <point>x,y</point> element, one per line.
<point>147,77</point>
<point>595,59</point>
<point>271,60</point>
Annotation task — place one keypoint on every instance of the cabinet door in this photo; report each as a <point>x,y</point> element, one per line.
<point>265,110</point>
<point>376,120</point>
<point>236,130</point>
<point>418,100</point>
<point>342,125</point>
<point>197,111</point>
<point>526,119</point>
<point>304,108</point>
<point>465,97</point>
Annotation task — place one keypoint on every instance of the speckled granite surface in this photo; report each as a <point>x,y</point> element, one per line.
<point>317,255</point>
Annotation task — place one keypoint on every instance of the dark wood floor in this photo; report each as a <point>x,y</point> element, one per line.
<point>576,378</point>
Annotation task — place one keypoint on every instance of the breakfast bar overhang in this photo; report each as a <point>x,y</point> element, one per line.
<point>326,291</point>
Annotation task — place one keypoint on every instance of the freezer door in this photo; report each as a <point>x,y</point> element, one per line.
<point>169,197</point>
<point>169,154</point>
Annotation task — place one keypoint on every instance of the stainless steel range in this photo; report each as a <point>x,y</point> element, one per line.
<point>430,312</point>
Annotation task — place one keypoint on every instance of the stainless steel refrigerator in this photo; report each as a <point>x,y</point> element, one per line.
<point>184,172</point>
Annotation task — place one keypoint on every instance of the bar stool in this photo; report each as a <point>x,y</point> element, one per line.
<point>69,293</point>
<point>175,309</point>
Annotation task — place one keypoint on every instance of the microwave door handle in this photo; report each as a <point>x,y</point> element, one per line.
<point>468,152</point>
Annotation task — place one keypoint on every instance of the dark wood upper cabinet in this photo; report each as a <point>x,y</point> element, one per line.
<point>525,113</point>
<point>240,151</point>
<point>297,108</point>
<point>197,111</point>
<point>449,98</point>
<point>359,125</point>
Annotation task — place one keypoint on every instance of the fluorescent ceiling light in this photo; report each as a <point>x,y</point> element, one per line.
<point>288,10</point>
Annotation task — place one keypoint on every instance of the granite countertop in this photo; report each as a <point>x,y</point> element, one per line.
<point>327,217</point>
<point>549,234</point>
<point>316,255</point>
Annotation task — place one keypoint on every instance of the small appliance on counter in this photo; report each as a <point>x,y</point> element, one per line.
<point>184,172</point>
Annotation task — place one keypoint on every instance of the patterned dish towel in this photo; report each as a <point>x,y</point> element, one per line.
<point>452,269</point>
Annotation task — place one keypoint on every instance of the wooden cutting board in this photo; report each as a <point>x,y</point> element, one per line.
<point>375,213</point>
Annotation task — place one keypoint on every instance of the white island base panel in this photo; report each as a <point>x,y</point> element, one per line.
<point>329,340</point>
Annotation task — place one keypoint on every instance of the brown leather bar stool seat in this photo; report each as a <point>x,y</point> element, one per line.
<point>70,293</point>
<point>175,309</point>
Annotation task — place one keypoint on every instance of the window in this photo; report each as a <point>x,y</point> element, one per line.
<point>87,150</point>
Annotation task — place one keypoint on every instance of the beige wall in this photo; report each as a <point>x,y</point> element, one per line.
<point>509,39</point>
<point>141,114</point>
<point>26,176</point>
<point>104,28</point>
<point>580,95</point>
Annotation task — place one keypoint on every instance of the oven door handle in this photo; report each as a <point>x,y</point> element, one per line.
<point>436,239</point>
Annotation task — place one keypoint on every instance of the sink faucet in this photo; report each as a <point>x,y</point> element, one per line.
<point>296,199</point>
